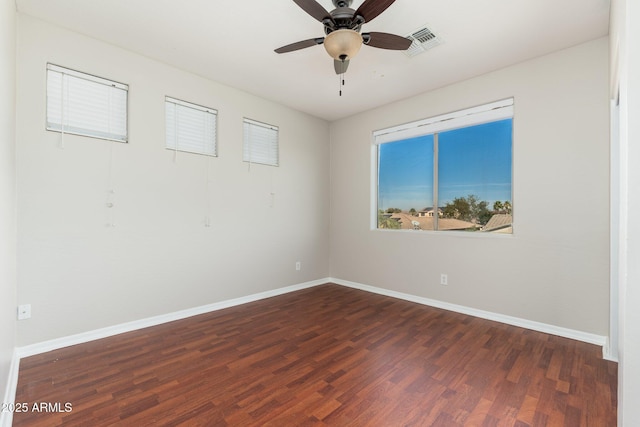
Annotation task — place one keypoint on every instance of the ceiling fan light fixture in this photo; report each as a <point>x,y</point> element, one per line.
<point>343,44</point>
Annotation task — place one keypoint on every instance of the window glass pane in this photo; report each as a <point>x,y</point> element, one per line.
<point>474,177</point>
<point>405,184</point>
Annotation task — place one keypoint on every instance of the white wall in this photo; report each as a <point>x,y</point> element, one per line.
<point>79,274</point>
<point>625,65</point>
<point>7,190</point>
<point>555,268</point>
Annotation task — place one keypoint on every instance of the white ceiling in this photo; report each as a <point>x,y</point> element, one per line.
<point>232,42</point>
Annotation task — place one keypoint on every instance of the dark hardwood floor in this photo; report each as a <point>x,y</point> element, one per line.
<point>327,355</point>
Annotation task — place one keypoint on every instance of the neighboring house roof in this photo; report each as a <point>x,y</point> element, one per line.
<point>454,224</point>
<point>499,222</point>
<point>426,223</point>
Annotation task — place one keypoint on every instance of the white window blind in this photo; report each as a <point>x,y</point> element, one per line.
<point>471,116</point>
<point>260,143</point>
<point>83,104</point>
<point>190,127</point>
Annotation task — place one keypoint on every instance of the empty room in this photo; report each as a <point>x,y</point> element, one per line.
<point>319,212</point>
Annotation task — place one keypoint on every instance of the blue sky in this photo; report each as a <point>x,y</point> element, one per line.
<point>472,160</point>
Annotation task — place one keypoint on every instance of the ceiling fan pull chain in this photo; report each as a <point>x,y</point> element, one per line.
<point>340,82</point>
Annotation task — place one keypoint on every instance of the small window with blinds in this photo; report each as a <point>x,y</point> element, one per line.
<point>260,143</point>
<point>190,128</point>
<point>83,104</point>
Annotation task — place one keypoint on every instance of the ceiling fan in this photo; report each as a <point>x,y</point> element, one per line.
<point>342,28</point>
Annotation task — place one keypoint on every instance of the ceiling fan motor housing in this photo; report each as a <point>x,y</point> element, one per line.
<point>343,17</point>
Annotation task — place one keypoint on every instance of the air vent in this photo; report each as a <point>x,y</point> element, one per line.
<point>423,40</point>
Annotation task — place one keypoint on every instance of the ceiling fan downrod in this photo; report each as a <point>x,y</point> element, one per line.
<point>341,3</point>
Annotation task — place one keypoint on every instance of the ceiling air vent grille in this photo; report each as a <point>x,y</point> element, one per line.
<point>423,40</point>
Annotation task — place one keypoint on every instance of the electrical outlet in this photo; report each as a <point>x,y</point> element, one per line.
<point>24,311</point>
<point>444,279</point>
<point>298,266</point>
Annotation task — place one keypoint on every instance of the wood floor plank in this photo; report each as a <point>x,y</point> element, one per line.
<point>324,356</point>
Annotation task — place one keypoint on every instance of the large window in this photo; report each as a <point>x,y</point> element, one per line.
<point>451,172</point>
<point>83,104</point>
<point>190,127</point>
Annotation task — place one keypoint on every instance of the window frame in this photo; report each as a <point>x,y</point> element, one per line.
<point>60,127</point>
<point>478,115</point>
<point>196,107</point>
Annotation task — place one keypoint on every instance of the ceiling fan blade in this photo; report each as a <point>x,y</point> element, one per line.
<point>386,41</point>
<point>372,8</point>
<point>340,66</point>
<point>299,45</point>
<point>313,8</point>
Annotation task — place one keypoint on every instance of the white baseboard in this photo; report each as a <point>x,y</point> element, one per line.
<point>57,343</point>
<point>6,418</point>
<point>509,320</point>
<point>84,337</point>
